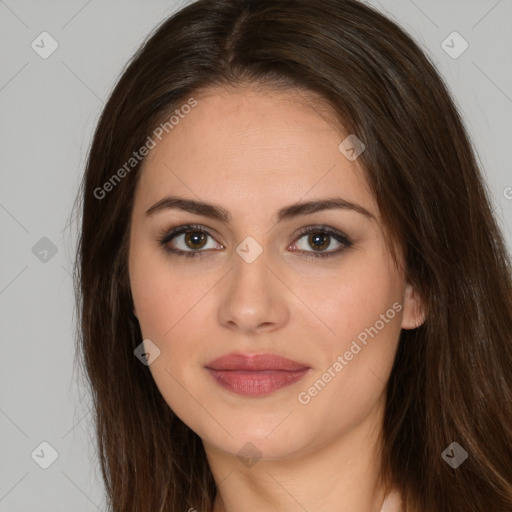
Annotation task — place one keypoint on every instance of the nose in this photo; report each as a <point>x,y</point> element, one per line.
<point>255,297</point>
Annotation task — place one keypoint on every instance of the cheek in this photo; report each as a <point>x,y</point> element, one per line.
<point>357,362</point>
<point>166,296</point>
<point>361,311</point>
<point>170,311</point>
<point>354,296</point>
<point>171,316</point>
<point>166,315</point>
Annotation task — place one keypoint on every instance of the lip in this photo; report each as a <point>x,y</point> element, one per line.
<point>254,362</point>
<point>255,375</point>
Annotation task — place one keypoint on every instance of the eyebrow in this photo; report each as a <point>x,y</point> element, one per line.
<point>288,212</point>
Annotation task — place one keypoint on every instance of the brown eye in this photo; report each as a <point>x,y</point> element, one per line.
<point>188,240</point>
<point>319,239</point>
<point>195,239</point>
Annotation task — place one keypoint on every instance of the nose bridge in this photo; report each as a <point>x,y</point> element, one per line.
<point>252,298</point>
<point>250,273</point>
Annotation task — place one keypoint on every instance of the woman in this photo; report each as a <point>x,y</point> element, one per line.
<point>293,294</point>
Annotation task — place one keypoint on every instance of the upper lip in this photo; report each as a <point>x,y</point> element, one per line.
<point>235,361</point>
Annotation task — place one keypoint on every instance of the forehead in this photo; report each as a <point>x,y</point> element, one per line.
<point>247,148</point>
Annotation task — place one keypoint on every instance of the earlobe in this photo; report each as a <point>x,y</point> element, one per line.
<point>414,309</point>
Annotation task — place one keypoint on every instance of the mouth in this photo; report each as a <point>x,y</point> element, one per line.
<point>255,375</point>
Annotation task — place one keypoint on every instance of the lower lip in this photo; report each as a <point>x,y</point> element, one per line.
<point>256,383</point>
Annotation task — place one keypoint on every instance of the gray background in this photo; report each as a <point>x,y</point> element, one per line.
<point>48,109</point>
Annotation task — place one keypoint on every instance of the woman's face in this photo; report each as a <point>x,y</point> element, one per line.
<point>254,284</point>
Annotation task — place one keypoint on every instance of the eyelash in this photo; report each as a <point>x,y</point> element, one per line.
<point>165,236</point>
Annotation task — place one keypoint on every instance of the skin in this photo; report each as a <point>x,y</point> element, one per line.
<point>253,152</point>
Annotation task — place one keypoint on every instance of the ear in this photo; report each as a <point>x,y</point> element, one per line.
<point>414,309</point>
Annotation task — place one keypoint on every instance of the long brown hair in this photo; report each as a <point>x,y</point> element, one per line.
<point>451,381</point>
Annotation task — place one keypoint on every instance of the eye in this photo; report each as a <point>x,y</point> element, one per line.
<point>190,239</point>
<point>320,238</point>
